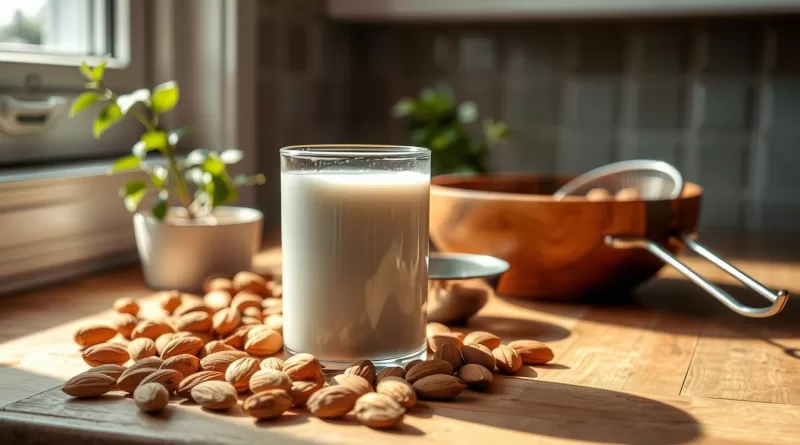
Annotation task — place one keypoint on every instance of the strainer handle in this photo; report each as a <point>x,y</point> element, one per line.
<point>778,299</point>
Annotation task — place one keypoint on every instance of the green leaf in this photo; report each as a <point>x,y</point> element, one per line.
<point>159,208</point>
<point>155,140</point>
<point>159,176</point>
<point>213,164</point>
<point>127,101</point>
<point>86,70</point>
<point>126,163</point>
<point>176,135</point>
<point>165,97</point>
<point>109,116</point>
<point>257,179</point>
<point>231,156</point>
<point>404,107</point>
<point>220,191</point>
<point>132,187</point>
<point>84,101</point>
<point>444,139</point>
<point>197,156</point>
<point>467,112</point>
<point>99,71</point>
<point>91,85</point>
<point>133,200</point>
<point>495,131</point>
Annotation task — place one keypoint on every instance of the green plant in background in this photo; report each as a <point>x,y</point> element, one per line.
<point>203,170</point>
<point>436,122</point>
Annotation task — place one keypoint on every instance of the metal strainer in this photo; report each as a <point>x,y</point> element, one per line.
<point>659,181</point>
<point>652,179</point>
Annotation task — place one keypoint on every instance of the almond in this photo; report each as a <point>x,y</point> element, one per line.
<point>302,367</point>
<point>244,300</point>
<point>214,346</point>
<point>184,363</point>
<point>264,342</point>
<point>186,345</point>
<point>169,300</point>
<point>94,334</point>
<point>251,282</point>
<point>274,321</point>
<point>251,321</point>
<point>205,337</point>
<point>219,361</point>
<point>303,389</point>
<point>271,306</point>
<point>225,321</point>
<point>484,338</point>
<point>478,355</point>
<point>411,364</point>
<point>435,328</point>
<point>253,312</point>
<point>459,335</point>
<point>267,404</point>
<point>185,387</point>
<point>126,306</point>
<point>151,397</point>
<point>272,363</point>
<point>167,377</point>
<point>124,324</point>
<point>105,354</point>
<point>191,306</point>
<point>507,359</point>
<point>427,368</point>
<point>398,389</point>
<point>378,411</point>
<point>332,401</point>
<point>439,387</point>
<point>240,371</point>
<point>239,336</point>
<point>355,382</point>
<point>212,284</point>
<point>162,341</point>
<point>215,395</point>
<point>363,368</point>
<point>89,384</point>
<point>276,289</point>
<point>532,352</point>
<point>131,378</point>
<point>450,354</point>
<point>141,348</point>
<point>151,329</point>
<point>265,379</point>
<point>393,371</point>
<point>217,299</point>
<point>149,362</point>
<point>475,376</point>
<point>113,371</point>
<point>436,340</point>
<point>194,322</point>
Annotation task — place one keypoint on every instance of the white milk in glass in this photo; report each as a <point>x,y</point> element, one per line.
<point>354,263</point>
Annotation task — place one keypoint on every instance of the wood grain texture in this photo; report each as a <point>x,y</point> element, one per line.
<point>665,366</point>
<point>555,248</point>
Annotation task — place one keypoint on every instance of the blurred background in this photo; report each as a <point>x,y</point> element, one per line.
<point>712,86</point>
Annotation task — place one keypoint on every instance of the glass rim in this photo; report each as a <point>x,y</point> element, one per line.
<point>343,151</point>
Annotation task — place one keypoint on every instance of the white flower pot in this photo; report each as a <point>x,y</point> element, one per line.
<point>179,253</point>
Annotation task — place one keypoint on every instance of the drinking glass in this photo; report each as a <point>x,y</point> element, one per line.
<point>354,228</point>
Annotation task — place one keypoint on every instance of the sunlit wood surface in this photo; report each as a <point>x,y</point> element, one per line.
<point>669,365</point>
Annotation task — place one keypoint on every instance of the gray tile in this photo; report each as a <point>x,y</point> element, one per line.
<point>477,52</point>
<point>785,113</point>
<point>297,54</point>
<point>535,55</point>
<point>370,98</point>
<point>663,148</point>
<point>526,109</point>
<point>298,105</point>
<point>269,38</point>
<point>719,212</point>
<point>733,47</point>
<point>779,215</point>
<point>660,105</point>
<point>727,106</point>
<point>592,102</point>
<point>787,47</point>
<point>723,170</point>
<point>783,169</point>
<point>601,49</point>
<point>583,151</point>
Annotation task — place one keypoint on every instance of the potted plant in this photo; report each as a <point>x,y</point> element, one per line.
<point>179,245</point>
<point>436,121</point>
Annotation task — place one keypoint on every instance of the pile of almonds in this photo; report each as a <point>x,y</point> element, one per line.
<point>219,348</point>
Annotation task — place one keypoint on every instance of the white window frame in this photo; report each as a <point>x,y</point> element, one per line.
<point>53,71</point>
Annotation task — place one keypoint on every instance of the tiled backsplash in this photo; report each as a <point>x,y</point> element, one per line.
<point>719,98</point>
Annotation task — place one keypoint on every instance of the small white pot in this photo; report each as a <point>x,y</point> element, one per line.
<point>179,253</point>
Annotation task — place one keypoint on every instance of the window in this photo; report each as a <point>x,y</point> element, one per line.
<point>42,43</point>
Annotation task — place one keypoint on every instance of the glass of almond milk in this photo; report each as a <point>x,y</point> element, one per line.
<point>354,228</point>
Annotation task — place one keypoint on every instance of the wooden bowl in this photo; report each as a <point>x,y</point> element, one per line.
<point>555,248</point>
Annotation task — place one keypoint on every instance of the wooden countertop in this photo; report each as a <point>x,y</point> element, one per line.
<point>667,366</point>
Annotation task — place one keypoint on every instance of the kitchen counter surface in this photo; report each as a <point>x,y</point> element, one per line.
<point>669,365</point>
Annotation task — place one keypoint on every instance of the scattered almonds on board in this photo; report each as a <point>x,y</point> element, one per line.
<point>215,351</point>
